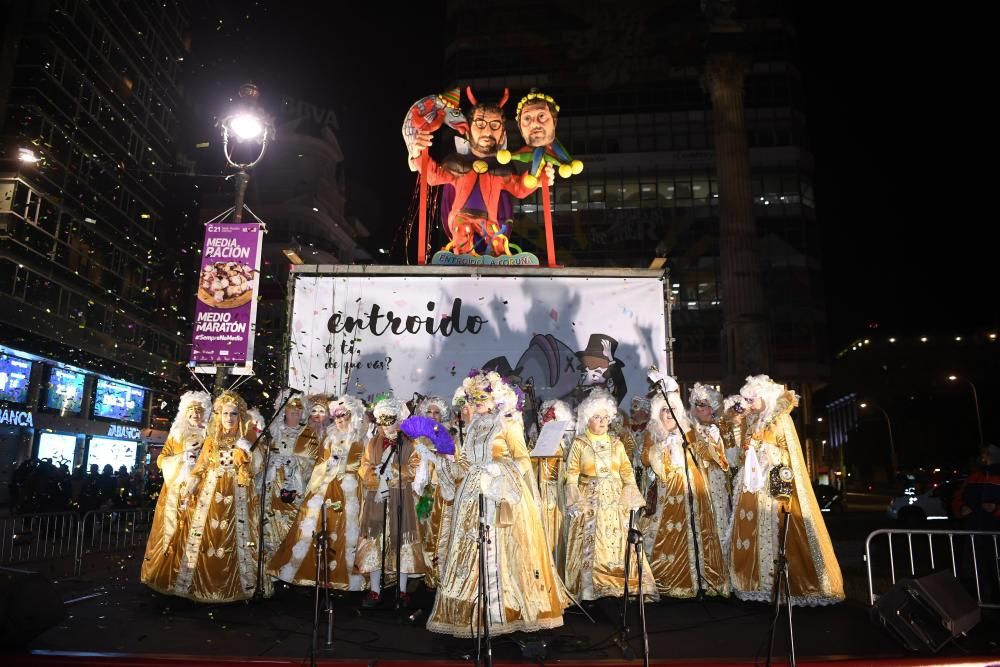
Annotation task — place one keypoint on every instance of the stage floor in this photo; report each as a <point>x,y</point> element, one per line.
<point>147,627</point>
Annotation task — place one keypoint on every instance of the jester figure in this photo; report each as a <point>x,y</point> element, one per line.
<point>476,210</point>
<point>536,116</point>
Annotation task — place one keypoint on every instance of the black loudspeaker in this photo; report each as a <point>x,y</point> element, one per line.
<point>925,614</point>
<point>29,605</point>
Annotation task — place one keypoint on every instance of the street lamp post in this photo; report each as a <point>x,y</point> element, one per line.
<point>894,461</point>
<point>246,124</point>
<point>975,399</point>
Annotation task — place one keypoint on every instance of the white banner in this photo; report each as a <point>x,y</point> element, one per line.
<point>369,334</point>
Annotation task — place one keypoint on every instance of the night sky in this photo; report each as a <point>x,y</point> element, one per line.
<point>896,107</point>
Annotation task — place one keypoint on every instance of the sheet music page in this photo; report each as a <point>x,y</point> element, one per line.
<point>547,444</point>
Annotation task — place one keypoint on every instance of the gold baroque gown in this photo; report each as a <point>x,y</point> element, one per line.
<point>550,473</point>
<point>706,440</point>
<point>813,572</point>
<point>599,476</point>
<point>525,593</point>
<point>219,562</point>
<point>332,489</point>
<point>667,535</point>
<point>377,514</point>
<point>434,477</point>
<point>176,459</point>
<point>290,465</point>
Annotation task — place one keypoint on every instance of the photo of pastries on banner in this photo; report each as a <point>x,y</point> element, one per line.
<point>226,284</point>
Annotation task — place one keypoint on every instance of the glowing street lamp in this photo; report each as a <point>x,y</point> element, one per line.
<point>892,443</point>
<point>27,156</point>
<point>975,399</point>
<point>246,124</point>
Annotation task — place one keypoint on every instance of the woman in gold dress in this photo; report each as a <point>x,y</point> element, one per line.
<point>774,478</point>
<point>219,563</point>
<point>669,539</point>
<point>332,490</point>
<point>524,591</point>
<point>710,452</point>
<point>176,460</point>
<point>288,468</point>
<point>600,493</point>
<point>432,483</point>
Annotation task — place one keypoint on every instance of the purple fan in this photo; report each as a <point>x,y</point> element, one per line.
<point>424,427</point>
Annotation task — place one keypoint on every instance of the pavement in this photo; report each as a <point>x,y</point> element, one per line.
<point>115,613</point>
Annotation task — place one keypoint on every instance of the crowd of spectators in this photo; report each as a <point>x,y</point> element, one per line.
<point>40,485</point>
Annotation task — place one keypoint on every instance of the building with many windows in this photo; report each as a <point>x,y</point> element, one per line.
<point>88,214</point>
<point>636,108</point>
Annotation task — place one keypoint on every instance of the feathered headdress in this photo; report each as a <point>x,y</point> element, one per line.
<point>389,411</point>
<point>419,426</point>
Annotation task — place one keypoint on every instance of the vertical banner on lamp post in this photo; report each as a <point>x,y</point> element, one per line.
<point>226,309</point>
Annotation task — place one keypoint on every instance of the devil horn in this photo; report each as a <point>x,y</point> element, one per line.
<point>472,98</point>
<point>503,100</point>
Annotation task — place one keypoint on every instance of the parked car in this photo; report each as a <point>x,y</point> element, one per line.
<point>916,507</point>
<point>830,498</point>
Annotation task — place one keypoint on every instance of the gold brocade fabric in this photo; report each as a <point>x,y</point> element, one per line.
<point>524,591</point>
<point>668,535</point>
<point>814,574</point>
<point>549,473</point>
<point>333,490</point>
<point>710,452</point>
<point>290,468</point>
<point>219,560</point>
<point>597,474</point>
<point>163,551</point>
<point>379,517</point>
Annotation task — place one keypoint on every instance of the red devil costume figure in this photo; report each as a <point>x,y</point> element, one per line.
<point>478,217</point>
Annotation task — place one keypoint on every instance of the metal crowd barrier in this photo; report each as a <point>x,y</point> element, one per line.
<point>972,556</point>
<point>106,531</point>
<point>38,537</point>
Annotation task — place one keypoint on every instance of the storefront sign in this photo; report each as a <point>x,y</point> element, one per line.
<point>15,417</point>
<point>124,432</point>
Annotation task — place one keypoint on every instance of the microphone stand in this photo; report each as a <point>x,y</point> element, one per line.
<point>633,549</point>
<point>399,521</point>
<point>781,593</point>
<point>258,592</point>
<point>483,592</point>
<point>322,581</point>
<point>385,507</point>
<point>690,493</point>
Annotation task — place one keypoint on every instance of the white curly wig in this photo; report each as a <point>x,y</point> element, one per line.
<point>658,405</point>
<point>763,387</point>
<point>428,401</point>
<point>561,410</point>
<point>599,400</point>
<point>358,425</point>
<point>188,399</point>
<point>391,407</point>
<point>710,395</point>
